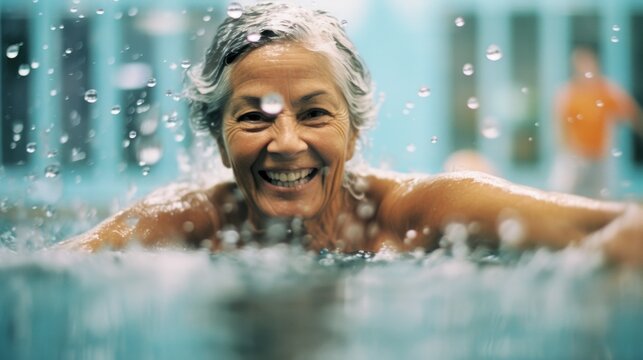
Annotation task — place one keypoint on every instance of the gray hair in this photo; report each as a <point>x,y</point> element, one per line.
<point>208,87</point>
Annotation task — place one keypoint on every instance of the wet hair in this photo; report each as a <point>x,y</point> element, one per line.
<point>208,86</point>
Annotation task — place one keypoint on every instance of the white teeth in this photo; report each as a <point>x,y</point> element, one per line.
<point>288,178</point>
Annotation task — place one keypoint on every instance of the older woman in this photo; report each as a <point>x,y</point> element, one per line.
<point>285,94</point>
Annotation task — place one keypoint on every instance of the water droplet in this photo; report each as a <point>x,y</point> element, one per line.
<point>617,152</point>
<point>494,53</point>
<point>235,10</point>
<point>207,18</point>
<point>254,36</point>
<point>489,128</point>
<point>100,11</point>
<point>272,103</point>
<point>467,69</point>
<point>35,65</point>
<point>91,96</point>
<point>600,103</point>
<point>511,232</point>
<point>410,148</point>
<point>53,92</point>
<point>616,27</point>
<point>24,70</point>
<point>18,127</point>
<point>13,50</point>
<point>472,103</point>
<point>614,39</point>
<point>186,64</point>
<point>589,75</point>
<point>409,105</point>
<point>424,92</point>
<point>179,136</point>
<point>524,90</point>
<point>434,139</point>
<point>115,110</point>
<point>52,154</point>
<point>31,147</point>
<point>150,154</point>
<point>68,51</point>
<point>132,134</point>
<point>459,21</point>
<point>64,138</point>
<point>145,170</point>
<point>51,171</point>
<point>151,82</point>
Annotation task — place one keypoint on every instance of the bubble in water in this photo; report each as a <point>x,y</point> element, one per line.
<point>424,92</point>
<point>186,64</point>
<point>91,96</point>
<point>459,21</point>
<point>489,128</point>
<point>617,152</point>
<point>272,103</point>
<point>410,147</point>
<point>494,53</point>
<point>13,50</point>
<point>434,139</point>
<point>24,70</point>
<point>614,39</point>
<point>100,11</point>
<point>51,171</point>
<point>467,69</point>
<point>31,147</point>
<point>253,36</point>
<point>115,110</point>
<point>472,103</point>
<point>616,27</point>
<point>600,103</point>
<point>151,82</point>
<point>235,10</point>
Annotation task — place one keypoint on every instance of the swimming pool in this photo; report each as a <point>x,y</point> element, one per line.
<point>280,302</point>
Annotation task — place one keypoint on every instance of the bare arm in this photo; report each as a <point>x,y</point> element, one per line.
<point>538,218</point>
<point>173,215</point>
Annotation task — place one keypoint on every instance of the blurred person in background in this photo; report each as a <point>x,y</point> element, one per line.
<point>586,110</point>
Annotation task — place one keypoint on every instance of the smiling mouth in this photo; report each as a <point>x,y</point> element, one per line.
<point>288,179</point>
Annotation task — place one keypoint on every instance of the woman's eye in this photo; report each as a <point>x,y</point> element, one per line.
<point>252,116</point>
<point>315,113</point>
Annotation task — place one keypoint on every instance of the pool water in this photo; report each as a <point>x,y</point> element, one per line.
<point>280,302</point>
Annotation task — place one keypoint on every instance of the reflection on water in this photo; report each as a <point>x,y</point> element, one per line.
<point>282,303</point>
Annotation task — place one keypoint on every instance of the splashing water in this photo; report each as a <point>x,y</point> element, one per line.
<point>91,96</point>
<point>13,50</point>
<point>493,52</point>
<point>235,10</point>
<point>472,103</point>
<point>467,69</point>
<point>24,69</point>
<point>272,103</point>
<point>424,92</point>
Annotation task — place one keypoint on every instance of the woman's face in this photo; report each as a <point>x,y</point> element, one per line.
<point>290,163</point>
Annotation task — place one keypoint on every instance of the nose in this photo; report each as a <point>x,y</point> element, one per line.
<point>286,137</point>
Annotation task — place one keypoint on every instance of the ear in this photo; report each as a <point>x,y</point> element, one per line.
<point>350,146</point>
<point>223,152</point>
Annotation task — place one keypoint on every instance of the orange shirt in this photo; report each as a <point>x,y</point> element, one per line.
<point>587,110</point>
